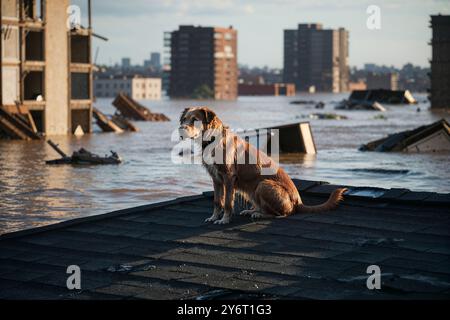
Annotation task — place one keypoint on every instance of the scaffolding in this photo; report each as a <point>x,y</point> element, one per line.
<point>46,65</point>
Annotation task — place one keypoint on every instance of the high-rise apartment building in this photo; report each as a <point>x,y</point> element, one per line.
<point>203,59</point>
<point>440,62</point>
<point>316,59</point>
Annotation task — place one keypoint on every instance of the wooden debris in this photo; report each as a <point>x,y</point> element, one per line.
<point>133,110</point>
<point>82,156</point>
<point>123,123</point>
<point>18,125</point>
<point>104,123</point>
<point>117,123</point>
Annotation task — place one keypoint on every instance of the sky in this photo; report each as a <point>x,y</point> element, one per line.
<point>135,27</point>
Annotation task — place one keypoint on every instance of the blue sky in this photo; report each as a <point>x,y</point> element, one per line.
<point>135,27</point>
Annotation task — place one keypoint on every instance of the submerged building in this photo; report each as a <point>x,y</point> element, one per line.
<point>136,87</point>
<point>316,59</point>
<point>203,61</point>
<point>387,81</point>
<point>46,65</point>
<point>440,62</point>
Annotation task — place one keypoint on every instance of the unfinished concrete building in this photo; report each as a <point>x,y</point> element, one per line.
<point>440,62</point>
<point>46,69</point>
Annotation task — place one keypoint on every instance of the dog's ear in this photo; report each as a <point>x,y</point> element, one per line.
<point>183,114</point>
<point>208,115</point>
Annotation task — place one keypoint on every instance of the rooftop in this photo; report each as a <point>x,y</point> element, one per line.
<point>166,251</point>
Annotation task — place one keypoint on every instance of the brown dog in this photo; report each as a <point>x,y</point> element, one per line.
<point>273,195</point>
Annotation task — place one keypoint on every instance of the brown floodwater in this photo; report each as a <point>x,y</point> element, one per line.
<point>34,194</point>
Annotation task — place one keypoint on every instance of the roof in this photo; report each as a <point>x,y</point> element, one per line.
<point>166,251</point>
<point>401,140</point>
<point>382,96</point>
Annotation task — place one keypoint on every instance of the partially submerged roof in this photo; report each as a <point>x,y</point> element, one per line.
<point>382,95</point>
<point>433,137</point>
<point>166,251</point>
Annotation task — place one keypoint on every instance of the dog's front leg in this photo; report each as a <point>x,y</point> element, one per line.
<point>229,200</point>
<point>219,199</point>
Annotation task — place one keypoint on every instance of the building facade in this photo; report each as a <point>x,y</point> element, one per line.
<point>388,81</point>
<point>203,58</point>
<point>440,62</point>
<point>316,59</point>
<point>276,89</point>
<point>46,65</point>
<point>136,87</point>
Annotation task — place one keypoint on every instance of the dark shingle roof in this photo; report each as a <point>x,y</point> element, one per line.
<point>165,251</point>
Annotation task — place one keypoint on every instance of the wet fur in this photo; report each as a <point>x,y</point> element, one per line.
<point>271,195</point>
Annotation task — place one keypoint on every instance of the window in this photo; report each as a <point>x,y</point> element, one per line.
<point>79,49</point>
<point>34,85</point>
<point>80,85</point>
<point>34,46</point>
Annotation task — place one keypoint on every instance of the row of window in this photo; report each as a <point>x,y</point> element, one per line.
<point>100,94</point>
<point>123,85</point>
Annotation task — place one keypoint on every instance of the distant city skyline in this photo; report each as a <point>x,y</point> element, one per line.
<point>136,28</point>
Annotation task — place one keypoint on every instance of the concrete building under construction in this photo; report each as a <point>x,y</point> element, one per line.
<point>440,62</point>
<point>46,66</point>
<point>203,57</point>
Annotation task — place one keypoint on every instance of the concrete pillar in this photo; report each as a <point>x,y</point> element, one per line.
<point>57,68</point>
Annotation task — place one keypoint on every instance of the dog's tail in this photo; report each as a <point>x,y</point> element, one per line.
<point>332,203</point>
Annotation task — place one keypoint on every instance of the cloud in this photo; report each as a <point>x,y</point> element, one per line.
<point>249,9</point>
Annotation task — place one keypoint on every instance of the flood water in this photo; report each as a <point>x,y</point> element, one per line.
<point>34,194</point>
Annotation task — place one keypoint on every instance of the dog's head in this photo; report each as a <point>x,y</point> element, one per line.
<point>195,121</point>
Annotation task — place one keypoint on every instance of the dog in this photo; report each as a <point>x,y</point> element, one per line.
<point>273,195</point>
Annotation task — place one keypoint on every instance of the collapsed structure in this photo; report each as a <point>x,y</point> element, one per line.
<point>430,138</point>
<point>371,99</point>
<point>290,138</point>
<point>46,69</point>
<point>133,110</point>
<point>382,96</point>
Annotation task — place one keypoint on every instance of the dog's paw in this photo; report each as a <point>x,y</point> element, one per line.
<point>257,215</point>
<point>222,221</point>
<point>246,212</point>
<point>212,219</point>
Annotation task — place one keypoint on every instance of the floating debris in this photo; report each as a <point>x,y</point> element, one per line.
<point>293,138</point>
<point>430,138</point>
<point>326,116</point>
<point>361,105</point>
<point>380,117</point>
<point>320,105</point>
<point>382,96</point>
<point>133,110</point>
<point>82,156</point>
<point>117,123</point>
<point>304,102</point>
